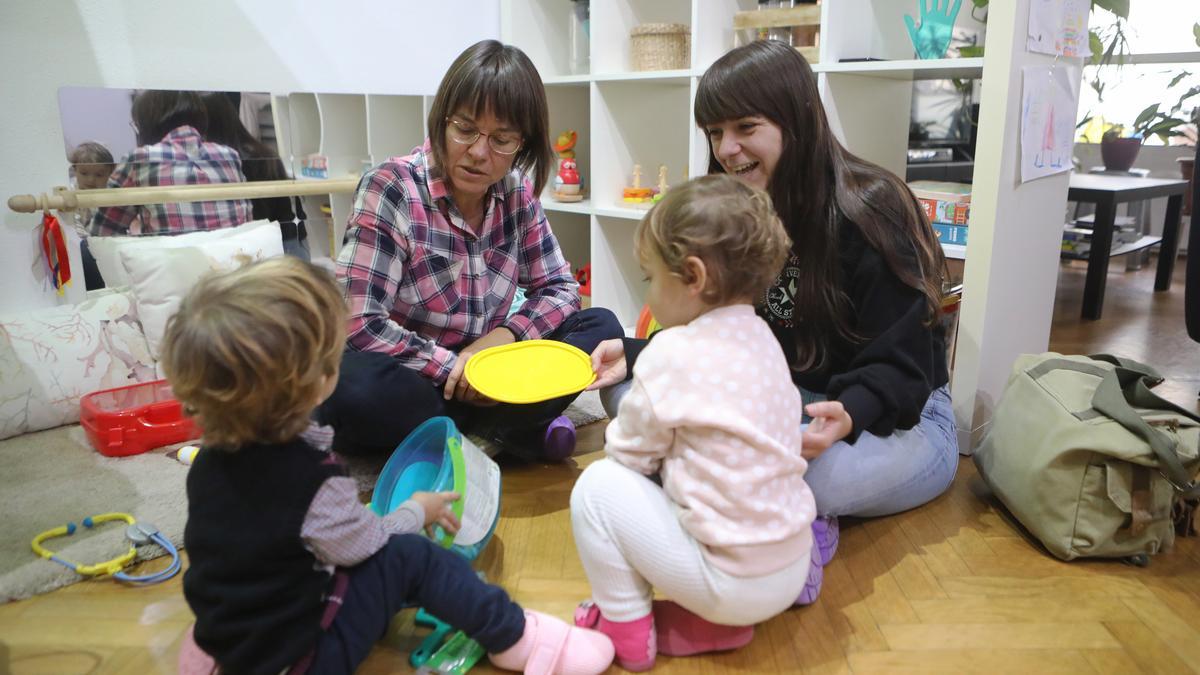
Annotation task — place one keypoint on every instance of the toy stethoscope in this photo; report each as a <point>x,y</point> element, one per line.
<point>138,533</point>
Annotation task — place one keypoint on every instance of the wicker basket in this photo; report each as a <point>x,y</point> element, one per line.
<point>660,46</point>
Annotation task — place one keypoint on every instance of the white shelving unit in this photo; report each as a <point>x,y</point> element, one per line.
<point>646,118</point>
<point>354,132</point>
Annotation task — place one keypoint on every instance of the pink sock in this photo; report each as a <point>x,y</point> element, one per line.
<point>634,641</point>
<point>682,633</point>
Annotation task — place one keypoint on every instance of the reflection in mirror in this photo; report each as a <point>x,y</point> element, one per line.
<point>122,138</point>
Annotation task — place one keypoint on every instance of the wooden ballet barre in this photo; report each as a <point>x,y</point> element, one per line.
<point>69,200</point>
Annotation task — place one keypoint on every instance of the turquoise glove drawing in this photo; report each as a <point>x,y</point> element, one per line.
<point>932,39</point>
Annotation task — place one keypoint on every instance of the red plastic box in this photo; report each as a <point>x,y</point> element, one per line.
<point>131,420</point>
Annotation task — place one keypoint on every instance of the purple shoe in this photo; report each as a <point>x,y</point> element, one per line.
<point>825,543</point>
<point>825,536</point>
<point>559,440</point>
<point>812,587</point>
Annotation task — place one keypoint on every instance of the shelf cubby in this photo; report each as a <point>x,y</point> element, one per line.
<point>570,109</point>
<point>541,28</point>
<point>344,133</point>
<point>622,286</point>
<point>395,125</point>
<point>612,21</point>
<point>573,232</point>
<point>637,123</point>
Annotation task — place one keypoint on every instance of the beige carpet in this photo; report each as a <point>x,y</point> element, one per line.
<point>51,477</point>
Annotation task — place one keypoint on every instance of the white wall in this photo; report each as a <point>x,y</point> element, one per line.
<point>371,46</point>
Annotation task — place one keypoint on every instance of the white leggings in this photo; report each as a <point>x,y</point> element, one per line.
<point>631,541</point>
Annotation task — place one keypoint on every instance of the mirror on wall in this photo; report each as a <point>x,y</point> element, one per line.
<point>116,138</point>
<point>104,118</point>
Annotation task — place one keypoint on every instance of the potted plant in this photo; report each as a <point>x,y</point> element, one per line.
<point>1120,144</point>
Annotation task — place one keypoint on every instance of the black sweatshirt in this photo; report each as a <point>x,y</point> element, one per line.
<point>883,381</point>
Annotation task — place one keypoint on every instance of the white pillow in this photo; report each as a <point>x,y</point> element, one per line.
<point>51,357</point>
<point>159,278</point>
<point>107,250</point>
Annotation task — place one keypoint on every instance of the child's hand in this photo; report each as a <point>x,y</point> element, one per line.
<point>608,361</point>
<point>437,510</point>
<point>831,423</point>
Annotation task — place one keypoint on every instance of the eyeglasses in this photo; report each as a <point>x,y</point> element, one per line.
<point>502,144</point>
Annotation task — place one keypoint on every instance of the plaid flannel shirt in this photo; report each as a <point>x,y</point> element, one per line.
<point>421,285</point>
<point>180,158</point>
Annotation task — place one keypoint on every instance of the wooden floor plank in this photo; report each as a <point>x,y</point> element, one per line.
<point>1150,653</point>
<point>938,554</point>
<point>1183,639</point>
<point>983,661</point>
<point>1110,661</point>
<point>853,624</point>
<point>1045,607</point>
<point>898,554</point>
<point>1032,635</point>
<point>873,578</point>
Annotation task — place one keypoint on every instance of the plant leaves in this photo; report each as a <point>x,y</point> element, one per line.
<point>1196,32</point>
<point>1096,46</point>
<point>1167,124</point>
<point>980,3</point>
<point>1175,80</point>
<point>1118,7</point>
<point>1146,115</point>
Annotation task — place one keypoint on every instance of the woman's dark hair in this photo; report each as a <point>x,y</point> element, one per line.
<point>156,112</point>
<point>259,161</point>
<point>498,78</point>
<point>815,185</point>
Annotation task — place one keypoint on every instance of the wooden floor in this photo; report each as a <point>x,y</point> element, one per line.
<point>949,587</point>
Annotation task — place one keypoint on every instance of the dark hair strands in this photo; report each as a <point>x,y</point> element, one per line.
<point>498,78</point>
<point>816,184</point>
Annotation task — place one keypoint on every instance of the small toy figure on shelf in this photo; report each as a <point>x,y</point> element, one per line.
<point>636,195</point>
<point>662,184</point>
<point>568,186</point>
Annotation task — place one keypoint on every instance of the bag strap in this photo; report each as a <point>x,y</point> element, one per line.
<point>1116,401</point>
<point>1130,364</point>
<point>1121,388</point>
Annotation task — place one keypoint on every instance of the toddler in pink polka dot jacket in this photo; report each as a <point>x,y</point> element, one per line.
<point>712,411</point>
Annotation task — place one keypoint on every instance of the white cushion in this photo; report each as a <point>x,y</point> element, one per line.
<point>107,250</point>
<point>160,278</point>
<point>51,357</point>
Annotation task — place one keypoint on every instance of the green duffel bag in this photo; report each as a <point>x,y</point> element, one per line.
<point>1088,458</point>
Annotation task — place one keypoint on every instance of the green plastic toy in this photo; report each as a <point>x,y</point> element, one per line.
<point>455,657</point>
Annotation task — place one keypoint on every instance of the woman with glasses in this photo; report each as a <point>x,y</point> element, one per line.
<point>436,247</point>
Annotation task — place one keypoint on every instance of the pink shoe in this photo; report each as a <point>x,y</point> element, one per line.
<point>551,647</point>
<point>634,641</point>
<point>192,659</point>
<point>682,633</point>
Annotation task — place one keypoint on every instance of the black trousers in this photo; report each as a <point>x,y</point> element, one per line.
<point>378,401</point>
<point>413,571</point>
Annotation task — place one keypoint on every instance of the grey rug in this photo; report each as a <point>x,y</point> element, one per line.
<point>52,477</point>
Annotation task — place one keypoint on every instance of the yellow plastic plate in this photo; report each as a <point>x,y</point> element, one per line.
<point>530,371</point>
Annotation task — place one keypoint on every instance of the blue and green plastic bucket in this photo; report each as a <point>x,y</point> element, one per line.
<point>436,457</point>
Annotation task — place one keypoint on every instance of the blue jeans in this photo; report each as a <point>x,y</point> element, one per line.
<point>882,475</point>
<point>877,475</point>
